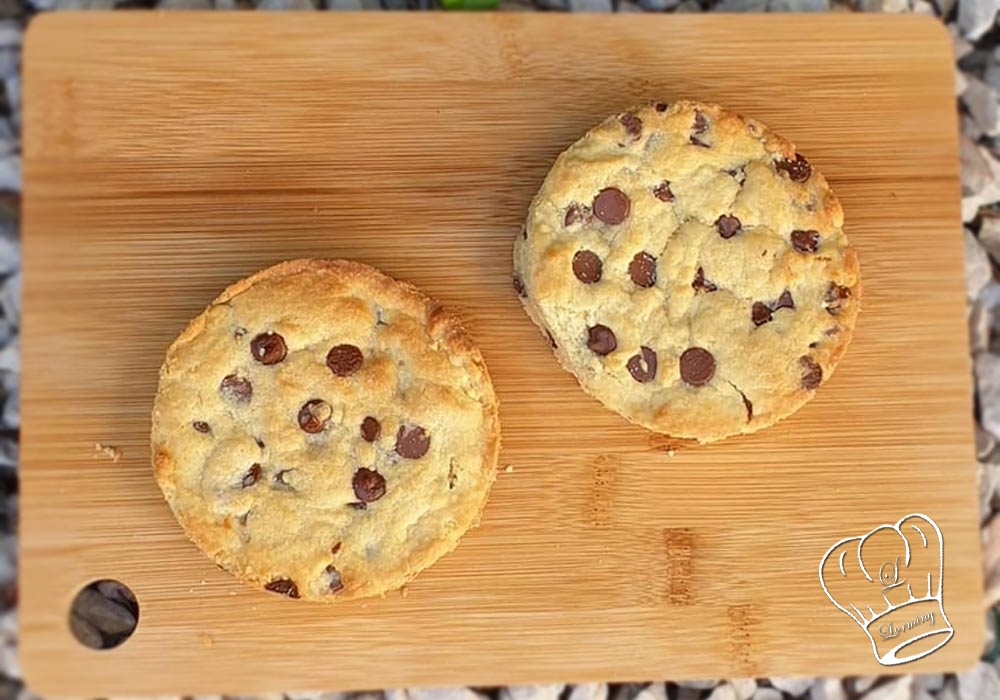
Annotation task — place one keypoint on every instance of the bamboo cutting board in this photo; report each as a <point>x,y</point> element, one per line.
<point>168,155</point>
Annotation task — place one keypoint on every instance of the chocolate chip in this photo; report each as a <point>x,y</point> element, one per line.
<point>336,582</point>
<point>728,226</point>
<point>760,313</point>
<point>748,406</point>
<point>697,366</point>
<point>369,485</point>
<point>552,341</point>
<point>642,367</point>
<point>268,348</point>
<point>370,429</point>
<point>335,549</point>
<point>642,270</point>
<point>587,266</point>
<point>601,340</point>
<point>805,241</point>
<point>235,388</point>
<point>412,441</point>
<point>279,479</point>
<point>260,443</point>
<point>201,426</point>
<point>284,586</point>
<point>834,297</point>
<point>662,192</point>
<point>524,232</point>
<point>519,285</point>
<point>661,106</point>
<point>314,415</point>
<point>785,301</point>
<point>577,214</point>
<point>798,170</point>
<point>344,360</point>
<point>812,373</point>
<point>358,505</point>
<point>632,124</point>
<point>251,477</point>
<point>611,205</point>
<point>832,331</point>
<point>700,284</point>
<point>699,127</point>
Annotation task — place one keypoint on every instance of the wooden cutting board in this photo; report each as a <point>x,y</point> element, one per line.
<point>168,155</point>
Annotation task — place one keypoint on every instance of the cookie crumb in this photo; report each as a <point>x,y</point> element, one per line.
<point>509,469</point>
<point>208,641</point>
<point>111,452</point>
<point>670,452</point>
<point>404,592</point>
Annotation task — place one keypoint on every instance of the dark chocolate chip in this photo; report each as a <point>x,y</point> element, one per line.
<point>662,192</point>
<point>284,586</point>
<point>577,214</point>
<point>798,170</point>
<point>785,301</point>
<point>268,348</point>
<point>700,125</point>
<point>336,548</point>
<point>201,426</point>
<point>728,226</point>
<point>260,443</point>
<point>234,388</point>
<point>519,285</point>
<point>834,298</point>
<point>697,366</point>
<point>552,341</point>
<point>805,241</point>
<point>370,429</point>
<point>369,485</point>
<point>632,124</point>
<point>642,270</point>
<point>748,405</point>
<point>812,373</point>
<point>344,360</point>
<point>587,266</point>
<point>611,205</point>
<point>412,441</point>
<point>760,313</point>
<point>700,284</point>
<point>601,340</point>
<point>661,106</point>
<point>251,477</point>
<point>358,505</point>
<point>314,415</point>
<point>336,581</point>
<point>642,367</point>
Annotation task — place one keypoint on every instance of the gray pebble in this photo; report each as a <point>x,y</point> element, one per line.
<point>975,17</point>
<point>85,632</point>
<point>798,6</point>
<point>590,5</point>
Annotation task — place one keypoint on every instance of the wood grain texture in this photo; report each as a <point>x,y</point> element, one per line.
<point>168,155</point>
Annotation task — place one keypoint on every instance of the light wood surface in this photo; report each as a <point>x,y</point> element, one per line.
<point>168,155</point>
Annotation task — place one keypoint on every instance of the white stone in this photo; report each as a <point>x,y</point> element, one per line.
<point>10,663</point>
<point>980,323</point>
<point>10,173</point>
<point>961,82</point>
<point>982,101</point>
<point>10,298</point>
<point>768,694</point>
<point>827,689</point>
<point>980,681</point>
<point>792,686</point>
<point>699,684</point>
<point>286,5</point>
<point>11,416</point>
<point>723,692</point>
<point>531,692</point>
<point>653,691</point>
<point>443,694</point>
<point>744,687</point>
<point>891,6</point>
<point>10,356</point>
<point>931,682</point>
<point>987,368</point>
<point>897,689</point>
<point>975,18</point>
<point>589,691</point>
<point>922,7</point>
<point>978,269</point>
<point>980,178</point>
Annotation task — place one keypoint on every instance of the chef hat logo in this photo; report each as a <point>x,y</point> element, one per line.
<point>889,582</point>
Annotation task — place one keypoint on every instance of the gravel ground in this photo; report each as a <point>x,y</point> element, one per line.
<point>974,28</point>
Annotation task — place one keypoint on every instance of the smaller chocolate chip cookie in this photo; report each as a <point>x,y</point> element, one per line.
<point>324,431</point>
<point>689,266</point>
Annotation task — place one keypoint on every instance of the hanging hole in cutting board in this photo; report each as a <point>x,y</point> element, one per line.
<point>104,614</point>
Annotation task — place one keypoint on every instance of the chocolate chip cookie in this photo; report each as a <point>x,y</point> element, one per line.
<point>690,267</point>
<point>324,431</point>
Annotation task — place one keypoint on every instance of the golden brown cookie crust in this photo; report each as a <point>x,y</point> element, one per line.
<point>680,227</point>
<point>280,484</point>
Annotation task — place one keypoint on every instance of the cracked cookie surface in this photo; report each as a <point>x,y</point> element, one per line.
<point>324,431</point>
<point>689,266</point>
